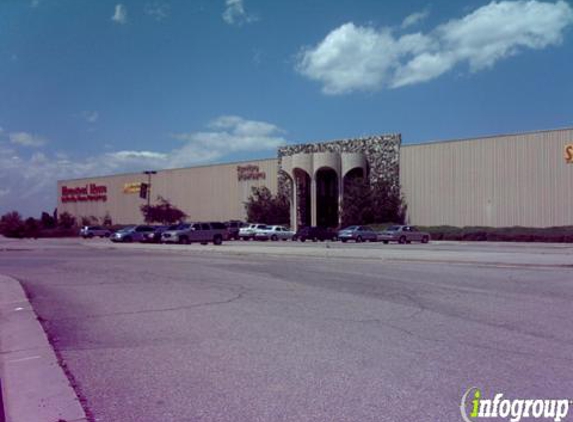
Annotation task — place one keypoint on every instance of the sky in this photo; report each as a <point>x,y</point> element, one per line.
<point>97,87</point>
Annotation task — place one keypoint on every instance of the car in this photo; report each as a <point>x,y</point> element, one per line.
<point>233,228</point>
<point>314,233</point>
<point>87,232</point>
<point>274,233</point>
<point>132,233</point>
<point>403,234</point>
<point>358,234</point>
<point>197,232</point>
<point>155,235</point>
<point>248,232</point>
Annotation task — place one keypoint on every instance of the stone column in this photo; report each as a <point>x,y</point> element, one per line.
<point>340,198</point>
<point>313,208</point>
<point>294,205</point>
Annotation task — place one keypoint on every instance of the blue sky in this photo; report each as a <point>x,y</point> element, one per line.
<point>91,87</point>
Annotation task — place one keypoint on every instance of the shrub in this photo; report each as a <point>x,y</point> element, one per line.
<point>66,220</point>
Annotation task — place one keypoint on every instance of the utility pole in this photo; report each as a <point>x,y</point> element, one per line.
<point>149,173</point>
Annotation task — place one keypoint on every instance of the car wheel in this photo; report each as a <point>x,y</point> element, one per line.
<point>359,239</point>
<point>425,239</point>
<point>385,242</point>
<point>90,235</point>
<point>402,240</point>
<point>128,239</point>
<point>217,240</point>
<point>334,238</point>
<point>302,239</point>
<point>184,240</point>
<point>274,238</point>
<point>343,240</point>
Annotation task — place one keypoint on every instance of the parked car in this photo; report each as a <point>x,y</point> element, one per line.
<point>93,231</point>
<point>155,235</point>
<point>274,233</point>
<point>403,234</point>
<point>131,234</point>
<point>358,234</point>
<point>197,232</point>
<point>314,233</point>
<point>248,232</point>
<point>233,228</point>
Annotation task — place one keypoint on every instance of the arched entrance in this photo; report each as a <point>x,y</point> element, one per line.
<point>302,200</point>
<point>327,197</point>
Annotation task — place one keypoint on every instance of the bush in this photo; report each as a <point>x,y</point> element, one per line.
<point>66,220</point>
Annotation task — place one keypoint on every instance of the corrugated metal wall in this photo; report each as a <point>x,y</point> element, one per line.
<point>514,180</point>
<point>208,193</point>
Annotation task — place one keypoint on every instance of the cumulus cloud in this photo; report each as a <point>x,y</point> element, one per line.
<point>120,14</point>
<point>26,139</point>
<point>235,13</point>
<point>361,58</point>
<point>29,181</point>
<point>158,11</point>
<point>414,18</point>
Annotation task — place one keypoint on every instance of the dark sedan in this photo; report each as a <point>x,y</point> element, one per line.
<point>314,233</point>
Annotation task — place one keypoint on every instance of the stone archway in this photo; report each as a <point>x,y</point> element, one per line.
<point>302,198</point>
<point>327,197</point>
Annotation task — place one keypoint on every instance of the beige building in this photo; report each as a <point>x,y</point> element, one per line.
<point>509,180</point>
<point>499,181</point>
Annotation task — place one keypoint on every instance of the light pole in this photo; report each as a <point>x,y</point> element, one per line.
<point>149,173</point>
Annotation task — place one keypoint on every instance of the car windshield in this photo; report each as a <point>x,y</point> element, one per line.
<point>393,228</point>
<point>351,228</point>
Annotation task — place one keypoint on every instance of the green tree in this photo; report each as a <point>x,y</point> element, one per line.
<point>387,204</point>
<point>357,202</point>
<point>47,221</point>
<point>163,212</point>
<point>32,227</point>
<point>66,220</point>
<point>106,221</point>
<point>264,207</point>
<point>11,224</point>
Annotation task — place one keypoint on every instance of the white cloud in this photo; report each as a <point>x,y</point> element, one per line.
<point>159,11</point>
<point>34,3</point>
<point>235,13</point>
<point>120,14</point>
<point>90,116</point>
<point>26,139</point>
<point>30,181</point>
<point>357,58</point>
<point>415,18</point>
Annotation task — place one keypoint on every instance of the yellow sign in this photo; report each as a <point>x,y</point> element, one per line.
<point>133,187</point>
<point>569,154</point>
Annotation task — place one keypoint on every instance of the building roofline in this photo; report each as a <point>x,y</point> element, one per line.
<point>399,134</point>
<point>141,173</point>
<point>476,138</point>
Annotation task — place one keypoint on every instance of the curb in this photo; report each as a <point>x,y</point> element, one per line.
<point>34,386</point>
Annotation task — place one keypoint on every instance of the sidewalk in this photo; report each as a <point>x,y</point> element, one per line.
<point>34,386</point>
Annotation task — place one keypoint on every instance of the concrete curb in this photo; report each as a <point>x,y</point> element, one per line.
<point>34,386</point>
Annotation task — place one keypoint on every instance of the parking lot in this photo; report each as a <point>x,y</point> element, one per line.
<point>290,331</point>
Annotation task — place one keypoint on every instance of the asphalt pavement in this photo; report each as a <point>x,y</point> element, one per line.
<point>291,332</point>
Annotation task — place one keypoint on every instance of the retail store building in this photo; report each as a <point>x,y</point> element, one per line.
<point>506,180</point>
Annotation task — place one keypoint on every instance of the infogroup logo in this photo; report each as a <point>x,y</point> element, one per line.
<point>474,407</point>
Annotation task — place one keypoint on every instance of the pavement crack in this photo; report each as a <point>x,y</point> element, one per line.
<point>159,310</point>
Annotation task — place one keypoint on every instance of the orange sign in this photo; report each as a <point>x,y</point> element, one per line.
<point>569,154</point>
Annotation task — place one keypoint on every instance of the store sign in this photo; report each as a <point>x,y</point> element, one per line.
<point>569,154</point>
<point>133,187</point>
<point>250,172</point>
<point>91,193</point>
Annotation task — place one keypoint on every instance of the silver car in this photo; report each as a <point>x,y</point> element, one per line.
<point>403,234</point>
<point>358,234</point>
<point>248,232</point>
<point>87,232</point>
<point>132,234</point>
<point>197,232</point>
<point>274,233</point>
